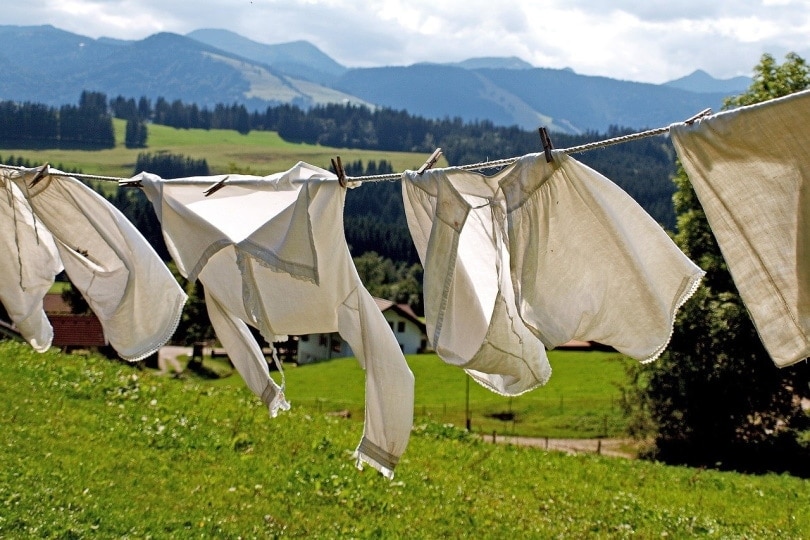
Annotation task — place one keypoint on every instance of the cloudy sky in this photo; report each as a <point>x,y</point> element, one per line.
<point>639,40</point>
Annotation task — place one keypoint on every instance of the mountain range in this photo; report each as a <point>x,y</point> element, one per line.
<point>44,64</point>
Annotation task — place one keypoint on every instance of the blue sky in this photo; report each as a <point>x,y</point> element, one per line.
<point>647,41</point>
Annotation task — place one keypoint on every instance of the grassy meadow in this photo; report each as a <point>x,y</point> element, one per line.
<point>581,400</point>
<point>93,448</point>
<point>226,151</point>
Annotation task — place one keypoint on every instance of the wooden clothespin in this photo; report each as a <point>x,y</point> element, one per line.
<point>216,187</point>
<point>698,116</point>
<point>341,174</point>
<point>41,173</point>
<point>547,146</point>
<point>431,161</point>
<point>131,183</point>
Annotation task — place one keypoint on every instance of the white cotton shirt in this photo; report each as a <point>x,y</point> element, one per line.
<point>271,254</point>
<point>28,265</point>
<point>132,292</point>
<point>457,222</point>
<point>588,263</point>
<point>750,168</point>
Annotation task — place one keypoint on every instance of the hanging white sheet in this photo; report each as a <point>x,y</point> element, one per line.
<point>750,168</point>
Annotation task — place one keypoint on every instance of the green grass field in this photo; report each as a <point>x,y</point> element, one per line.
<point>93,448</point>
<point>226,151</point>
<point>580,401</point>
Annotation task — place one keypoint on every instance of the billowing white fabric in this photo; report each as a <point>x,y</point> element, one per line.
<point>585,262</point>
<point>132,292</point>
<point>750,168</point>
<point>457,222</point>
<point>28,264</point>
<point>271,254</point>
<point>588,263</point>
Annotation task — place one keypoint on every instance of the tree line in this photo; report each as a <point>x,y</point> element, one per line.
<point>642,168</point>
<point>87,125</point>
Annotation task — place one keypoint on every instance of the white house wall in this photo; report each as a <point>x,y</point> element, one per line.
<point>316,347</point>
<point>408,334</point>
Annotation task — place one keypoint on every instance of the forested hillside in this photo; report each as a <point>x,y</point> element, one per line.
<point>374,215</point>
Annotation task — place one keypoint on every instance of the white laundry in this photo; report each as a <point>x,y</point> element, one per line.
<point>457,222</point>
<point>585,262</point>
<point>132,292</point>
<point>588,263</point>
<point>750,168</point>
<point>271,254</point>
<point>28,265</point>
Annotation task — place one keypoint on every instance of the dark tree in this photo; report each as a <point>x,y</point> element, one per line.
<point>715,398</point>
<point>136,133</point>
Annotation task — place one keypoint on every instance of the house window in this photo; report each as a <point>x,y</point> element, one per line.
<point>305,337</point>
<point>323,340</point>
<point>401,326</point>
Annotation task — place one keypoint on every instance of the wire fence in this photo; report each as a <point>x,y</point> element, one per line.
<point>552,416</point>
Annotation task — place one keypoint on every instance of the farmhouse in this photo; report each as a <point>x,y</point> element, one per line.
<point>408,329</point>
<point>72,331</point>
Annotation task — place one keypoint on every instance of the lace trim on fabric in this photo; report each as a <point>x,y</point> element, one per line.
<point>272,262</point>
<point>379,459</point>
<point>207,254</point>
<point>694,283</point>
<point>164,337</point>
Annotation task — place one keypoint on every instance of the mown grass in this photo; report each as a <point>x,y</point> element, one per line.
<point>581,400</point>
<point>98,449</point>
<point>226,151</point>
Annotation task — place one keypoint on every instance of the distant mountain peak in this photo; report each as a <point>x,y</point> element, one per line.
<point>296,58</point>
<point>701,81</point>
<point>493,62</point>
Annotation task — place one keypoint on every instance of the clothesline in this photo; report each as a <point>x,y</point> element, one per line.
<point>396,176</point>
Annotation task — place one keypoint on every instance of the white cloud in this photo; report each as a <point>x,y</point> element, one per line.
<point>643,40</point>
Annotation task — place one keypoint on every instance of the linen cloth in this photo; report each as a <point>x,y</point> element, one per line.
<point>132,292</point>
<point>28,265</point>
<point>588,263</point>
<point>456,220</point>
<point>750,168</point>
<point>564,252</point>
<point>271,254</point>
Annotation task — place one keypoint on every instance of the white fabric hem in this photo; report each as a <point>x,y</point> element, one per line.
<point>164,338</point>
<point>495,390</point>
<point>681,301</point>
<point>362,458</point>
<point>278,403</point>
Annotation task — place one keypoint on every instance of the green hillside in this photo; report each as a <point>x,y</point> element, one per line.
<point>581,400</point>
<point>258,152</point>
<point>98,449</point>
